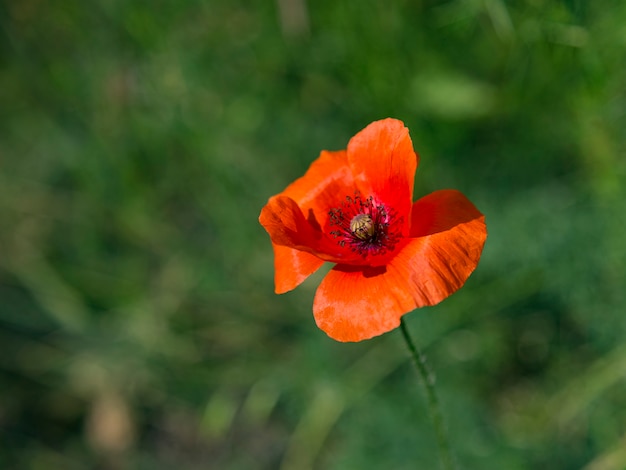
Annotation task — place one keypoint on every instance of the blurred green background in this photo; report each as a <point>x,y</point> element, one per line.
<point>138,143</point>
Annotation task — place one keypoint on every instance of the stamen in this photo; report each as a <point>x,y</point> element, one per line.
<point>368,228</point>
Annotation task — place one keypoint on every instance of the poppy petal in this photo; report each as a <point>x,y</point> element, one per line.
<point>356,304</point>
<point>292,267</point>
<point>330,170</point>
<point>450,234</point>
<point>325,184</point>
<point>284,222</point>
<point>440,211</point>
<point>383,163</point>
<point>324,187</point>
<point>286,225</point>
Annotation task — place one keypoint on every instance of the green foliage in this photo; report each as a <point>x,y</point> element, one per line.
<point>138,143</point>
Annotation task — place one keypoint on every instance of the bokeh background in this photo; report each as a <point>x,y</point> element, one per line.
<point>138,143</point>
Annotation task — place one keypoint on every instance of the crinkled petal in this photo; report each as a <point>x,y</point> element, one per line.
<point>287,226</point>
<point>292,267</point>
<point>324,186</point>
<point>440,211</point>
<point>299,216</point>
<point>383,164</point>
<point>284,221</point>
<point>449,237</point>
<point>354,304</point>
<point>324,183</point>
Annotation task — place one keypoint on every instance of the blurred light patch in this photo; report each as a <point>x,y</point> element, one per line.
<point>110,427</point>
<point>567,34</point>
<point>294,17</point>
<point>500,18</point>
<point>451,96</point>
<point>219,414</point>
<point>613,459</point>
<point>261,400</point>
<point>313,429</point>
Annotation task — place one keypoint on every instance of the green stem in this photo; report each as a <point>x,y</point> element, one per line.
<point>428,379</point>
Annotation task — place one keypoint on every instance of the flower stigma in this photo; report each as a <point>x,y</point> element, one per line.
<point>368,228</point>
<point>362,226</point>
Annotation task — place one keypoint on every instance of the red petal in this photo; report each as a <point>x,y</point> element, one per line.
<point>441,211</point>
<point>298,217</point>
<point>283,220</point>
<point>355,304</point>
<point>323,187</point>
<point>292,267</point>
<point>285,223</point>
<point>324,183</point>
<point>451,234</point>
<point>383,163</point>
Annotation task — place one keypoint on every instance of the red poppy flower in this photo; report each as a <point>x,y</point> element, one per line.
<point>354,208</point>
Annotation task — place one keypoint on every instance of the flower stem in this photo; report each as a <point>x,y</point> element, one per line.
<point>428,379</point>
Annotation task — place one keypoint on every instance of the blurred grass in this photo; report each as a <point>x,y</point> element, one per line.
<point>138,143</point>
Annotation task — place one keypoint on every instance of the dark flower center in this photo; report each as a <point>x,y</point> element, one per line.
<point>367,227</point>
